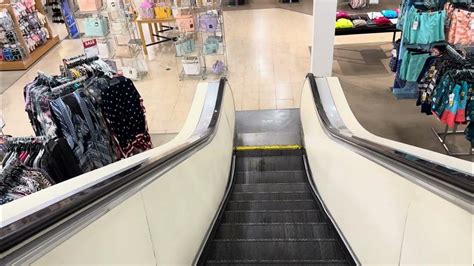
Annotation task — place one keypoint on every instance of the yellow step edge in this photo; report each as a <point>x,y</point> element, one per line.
<point>268,147</point>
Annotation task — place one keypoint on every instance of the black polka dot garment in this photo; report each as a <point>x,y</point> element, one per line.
<point>122,108</point>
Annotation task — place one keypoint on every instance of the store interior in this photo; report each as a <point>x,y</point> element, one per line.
<point>263,49</point>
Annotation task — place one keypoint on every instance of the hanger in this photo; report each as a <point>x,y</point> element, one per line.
<point>67,84</point>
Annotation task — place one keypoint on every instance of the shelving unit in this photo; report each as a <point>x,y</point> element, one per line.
<point>35,55</point>
<point>207,59</point>
<point>124,45</point>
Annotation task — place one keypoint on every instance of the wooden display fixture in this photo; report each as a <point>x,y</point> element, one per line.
<point>33,56</point>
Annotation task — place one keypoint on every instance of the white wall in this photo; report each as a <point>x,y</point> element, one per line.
<point>165,223</point>
<point>385,218</point>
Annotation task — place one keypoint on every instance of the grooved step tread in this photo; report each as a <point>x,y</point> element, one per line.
<point>274,216</point>
<point>271,249</point>
<point>268,205</point>
<point>280,262</point>
<point>283,195</point>
<point>271,187</point>
<point>270,163</point>
<point>275,231</point>
<point>255,177</point>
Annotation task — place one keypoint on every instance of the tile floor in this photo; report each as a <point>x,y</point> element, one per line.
<point>268,57</point>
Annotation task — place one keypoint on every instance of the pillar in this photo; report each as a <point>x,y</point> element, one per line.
<point>322,52</point>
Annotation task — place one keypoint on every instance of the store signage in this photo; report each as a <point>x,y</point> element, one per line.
<point>69,20</point>
<point>90,47</point>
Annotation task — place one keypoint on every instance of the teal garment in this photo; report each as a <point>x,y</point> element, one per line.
<point>440,97</point>
<point>409,34</point>
<point>431,27</point>
<point>412,65</point>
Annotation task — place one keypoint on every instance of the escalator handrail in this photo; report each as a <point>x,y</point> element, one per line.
<point>13,234</point>
<point>459,183</point>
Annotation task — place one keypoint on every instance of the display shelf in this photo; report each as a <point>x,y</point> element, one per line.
<point>201,75</point>
<point>32,58</point>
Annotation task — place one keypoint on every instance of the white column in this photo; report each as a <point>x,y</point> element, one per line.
<point>324,19</point>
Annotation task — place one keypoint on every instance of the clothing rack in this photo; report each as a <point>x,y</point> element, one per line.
<point>15,140</point>
<point>79,61</point>
<point>441,136</point>
<point>67,84</point>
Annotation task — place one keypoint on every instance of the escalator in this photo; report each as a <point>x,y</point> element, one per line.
<point>272,216</point>
<point>221,193</point>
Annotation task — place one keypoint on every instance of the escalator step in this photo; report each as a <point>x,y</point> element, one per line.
<point>271,187</point>
<point>293,216</point>
<point>297,195</point>
<point>255,177</point>
<point>270,163</point>
<point>278,262</point>
<point>272,205</point>
<point>307,249</point>
<point>275,231</point>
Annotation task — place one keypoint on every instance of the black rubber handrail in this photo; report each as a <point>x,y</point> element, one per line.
<point>462,183</point>
<point>17,232</point>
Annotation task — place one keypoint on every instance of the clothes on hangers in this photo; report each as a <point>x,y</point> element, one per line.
<point>412,64</point>
<point>122,107</point>
<point>424,27</point>
<point>460,26</point>
<point>34,164</point>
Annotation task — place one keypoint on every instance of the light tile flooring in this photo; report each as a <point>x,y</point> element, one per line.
<point>268,57</point>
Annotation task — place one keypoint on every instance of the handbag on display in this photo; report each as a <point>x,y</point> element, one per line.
<point>145,10</point>
<point>354,4</point>
<point>104,48</point>
<point>389,13</point>
<point>96,26</point>
<point>162,11</point>
<point>218,67</point>
<point>184,47</point>
<point>114,5</point>
<point>208,23</point>
<point>89,5</point>
<point>211,46</point>
<point>359,23</point>
<point>185,23</point>
<point>342,14</point>
<point>118,27</point>
<point>130,72</point>
<point>185,3</point>
<point>191,65</point>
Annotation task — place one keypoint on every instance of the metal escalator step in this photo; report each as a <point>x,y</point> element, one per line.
<point>296,195</point>
<point>255,177</point>
<point>270,163</point>
<point>280,216</point>
<point>271,205</point>
<point>278,262</point>
<point>272,249</point>
<point>261,153</point>
<point>271,187</point>
<point>275,231</point>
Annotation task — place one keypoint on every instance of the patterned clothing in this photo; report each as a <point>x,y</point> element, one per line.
<point>122,107</point>
<point>82,130</point>
<point>17,181</point>
<point>461,26</point>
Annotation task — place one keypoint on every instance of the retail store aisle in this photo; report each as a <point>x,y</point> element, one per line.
<point>268,59</point>
<point>366,80</point>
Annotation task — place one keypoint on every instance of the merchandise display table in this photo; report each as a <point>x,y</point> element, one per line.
<point>370,28</point>
<point>155,27</point>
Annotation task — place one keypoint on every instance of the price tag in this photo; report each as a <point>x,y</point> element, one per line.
<point>415,25</point>
<point>451,99</point>
<point>472,24</point>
